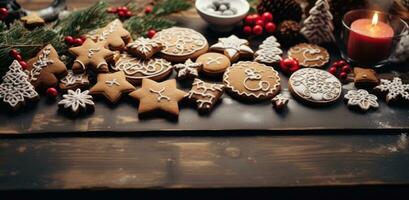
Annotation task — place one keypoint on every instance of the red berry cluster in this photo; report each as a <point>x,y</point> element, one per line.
<point>3,13</point>
<point>71,41</point>
<point>256,24</point>
<point>121,11</point>
<point>289,65</point>
<point>151,33</point>
<point>340,69</point>
<point>17,56</point>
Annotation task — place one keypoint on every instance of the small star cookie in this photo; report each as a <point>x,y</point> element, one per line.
<point>33,20</point>
<point>113,35</point>
<point>187,70</point>
<point>45,68</point>
<point>112,85</point>
<point>233,47</point>
<point>205,94</point>
<point>158,96</point>
<point>93,55</point>
<point>144,48</point>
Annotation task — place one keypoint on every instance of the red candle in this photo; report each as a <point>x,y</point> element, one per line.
<point>370,41</point>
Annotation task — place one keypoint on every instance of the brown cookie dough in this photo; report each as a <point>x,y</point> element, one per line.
<point>309,55</point>
<point>112,86</point>
<point>113,36</point>
<point>213,63</point>
<point>144,48</point>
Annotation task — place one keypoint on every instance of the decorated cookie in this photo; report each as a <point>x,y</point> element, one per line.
<point>280,102</point>
<point>76,102</point>
<point>365,77</point>
<point>213,63</point>
<point>74,81</point>
<point>113,36</point>
<point>33,20</point>
<point>144,48</point>
<point>180,44</point>
<point>93,55</point>
<point>136,69</point>
<point>315,86</point>
<point>187,70</point>
<point>269,52</point>
<point>45,68</point>
<point>309,55</point>
<point>205,94</point>
<point>233,47</point>
<point>112,86</point>
<point>396,91</point>
<point>361,99</point>
<point>252,81</point>
<point>154,96</point>
<point>15,89</point>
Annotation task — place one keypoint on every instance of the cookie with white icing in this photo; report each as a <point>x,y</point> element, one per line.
<point>213,63</point>
<point>361,99</point>
<point>252,81</point>
<point>309,55</point>
<point>112,86</point>
<point>144,48</point>
<point>136,69</point>
<point>180,44</point>
<point>280,102</point>
<point>395,90</point>
<point>315,86</point>
<point>206,95</point>
<point>76,102</point>
<point>233,47</point>
<point>113,36</point>
<point>74,81</point>
<point>269,52</point>
<point>188,70</point>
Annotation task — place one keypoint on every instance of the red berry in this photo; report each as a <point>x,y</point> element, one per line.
<point>69,40</point>
<point>339,63</point>
<point>258,30</point>
<point>122,8</point>
<point>4,12</point>
<point>289,65</point>
<point>52,92</point>
<point>270,27</point>
<point>151,33</point>
<point>83,38</point>
<point>343,75</point>
<point>267,17</point>
<point>122,13</point>
<point>129,14</point>
<point>13,53</point>
<point>148,9</point>
<point>256,17</point>
<point>346,68</point>
<point>260,22</point>
<point>18,57</point>
<point>112,10</point>
<point>332,70</point>
<point>247,30</point>
<point>78,41</point>
<point>23,64</point>
<point>249,20</point>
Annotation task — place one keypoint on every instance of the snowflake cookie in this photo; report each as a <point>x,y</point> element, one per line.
<point>187,70</point>
<point>361,99</point>
<point>144,48</point>
<point>77,101</point>
<point>395,90</point>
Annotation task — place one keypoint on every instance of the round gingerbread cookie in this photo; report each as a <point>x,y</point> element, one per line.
<point>252,81</point>
<point>213,63</point>
<point>180,44</point>
<point>315,86</point>
<point>136,69</point>
<point>309,55</point>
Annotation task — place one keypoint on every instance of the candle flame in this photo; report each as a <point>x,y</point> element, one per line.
<point>375,19</point>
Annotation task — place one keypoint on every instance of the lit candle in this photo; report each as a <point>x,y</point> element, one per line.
<point>370,41</point>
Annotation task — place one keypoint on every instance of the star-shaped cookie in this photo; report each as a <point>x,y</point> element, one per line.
<point>112,86</point>
<point>233,47</point>
<point>158,96</point>
<point>93,55</point>
<point>32,20</point>
<point>113,35</point>
<point>187,70</point>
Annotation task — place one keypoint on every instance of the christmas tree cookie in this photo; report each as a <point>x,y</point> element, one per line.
<point>318,27</point>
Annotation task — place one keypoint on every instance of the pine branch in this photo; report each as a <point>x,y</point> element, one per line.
<point>139,26</point>
<point>167,7</point>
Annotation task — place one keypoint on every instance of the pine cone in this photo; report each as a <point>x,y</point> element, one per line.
<point>289,33</point>
<point>281,9</point>
<point>405,3</point>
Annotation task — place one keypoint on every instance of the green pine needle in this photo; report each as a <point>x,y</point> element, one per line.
<point>170,6</point>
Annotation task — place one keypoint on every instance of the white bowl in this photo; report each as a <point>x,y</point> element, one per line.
<point>222,23</point>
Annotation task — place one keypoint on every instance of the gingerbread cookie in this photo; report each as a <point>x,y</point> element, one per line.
<point>269,52</point>
<point>136,69</point>
<point>361,99</point>
<point>76,102</point>
<point>45,68</point>
<point>395,90</point>
<point>213,63</point>
<point>233,47</point>
<point>205,94</point>
<point>113,36</point>
<point>32,20</point>
<point>309,55</point>
<point>315,86</point>
<point>15,89</point>
<point>366,78</point>
<point>112,86</point>
<point>93,55</point>
<point>144,48</point>
<point>154,96</point>
<point>280,102</point>
<point>252,81</point>
<point>187,70</point>
<point>74,81</point>
<point>180,44</point>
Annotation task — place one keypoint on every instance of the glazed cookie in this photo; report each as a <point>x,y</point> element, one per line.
<point>365,77</point>
<point>93,55</point>
<point>76,102</point>
<point>113,36</point>
<point>74,81</point>
<point>396,91</point>
<point>315,86</point>
<point>188,70</point>
<point>135,69</point>
<point>144,48</point>
<point>180,44</point>
<point>252,81</point>
<point>233,47</point>
<point>269,52</point>
<point>45,69</point>
<point>213,63</point>
<point>205,94</point>
<point>309,55</point>
<point>361,99</point>
<point>163,96</point>
<point>112,86</point>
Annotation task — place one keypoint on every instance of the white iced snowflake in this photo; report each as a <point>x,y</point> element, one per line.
<point>394,89</point>
<point>144,45</point>
<point>189,69</point>
<point>76,99</point>
<point>362,99</point>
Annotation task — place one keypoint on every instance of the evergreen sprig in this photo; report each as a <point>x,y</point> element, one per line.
<point>166,7</point>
